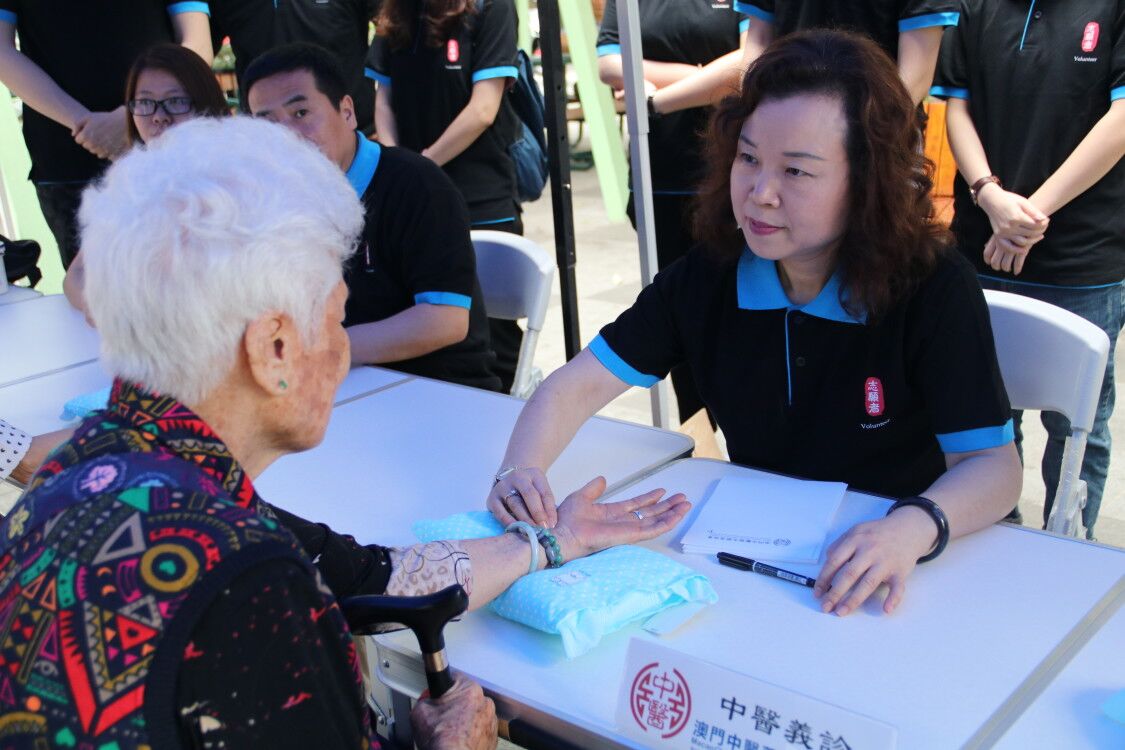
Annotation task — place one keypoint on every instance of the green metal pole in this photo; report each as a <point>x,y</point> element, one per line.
<point>597,106</point>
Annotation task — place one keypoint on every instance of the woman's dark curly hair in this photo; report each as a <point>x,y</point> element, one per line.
<point>892,240</point>
<point>441,19</point>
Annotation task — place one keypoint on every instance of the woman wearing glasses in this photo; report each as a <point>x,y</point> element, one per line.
<point>168,84</point>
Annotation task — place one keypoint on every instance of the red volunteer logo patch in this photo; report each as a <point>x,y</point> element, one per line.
<point>452,51</point>
<point>660,700</point>
<point>1090,36</point>
<point>873,397</point>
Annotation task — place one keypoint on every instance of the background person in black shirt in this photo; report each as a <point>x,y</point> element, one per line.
<point>70,71</point>
<point>907,30</point>
<point>257,26</point>
<point>691,59</point>
<point>442,68</point>
<point>414,303</point>
<point>1052,224</point>
<point>844,342</point>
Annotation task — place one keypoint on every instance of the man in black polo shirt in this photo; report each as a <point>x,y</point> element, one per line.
<point>1036,108</point>
<point>414,302</point>
<point>341,26</point>
<point>909,30</point>
<point>70,72</point>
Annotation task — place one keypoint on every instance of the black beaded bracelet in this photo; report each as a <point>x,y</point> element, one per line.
<point>936,513</point>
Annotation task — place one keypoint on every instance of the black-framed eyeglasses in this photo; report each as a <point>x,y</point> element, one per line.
<point>173,105</point>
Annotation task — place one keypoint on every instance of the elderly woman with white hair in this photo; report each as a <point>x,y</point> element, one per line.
<point>149,596</point>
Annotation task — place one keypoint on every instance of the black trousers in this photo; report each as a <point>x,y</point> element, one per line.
<point>506,335</point>
<point>59,203</point>
<point>673,240</point>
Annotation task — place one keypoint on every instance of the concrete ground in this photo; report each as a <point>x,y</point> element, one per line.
<point>608,274</point>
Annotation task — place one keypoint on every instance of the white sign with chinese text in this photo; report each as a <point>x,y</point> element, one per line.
<point>671,700</point>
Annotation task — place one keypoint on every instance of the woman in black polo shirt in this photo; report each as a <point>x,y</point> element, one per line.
<point>834,338</point>
<point>1039,202</point>
<point>442,68</point>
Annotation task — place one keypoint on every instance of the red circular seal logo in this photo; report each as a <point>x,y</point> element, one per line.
<point>660,700</point>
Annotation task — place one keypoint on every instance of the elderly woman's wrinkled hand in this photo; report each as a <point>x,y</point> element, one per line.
<point>523,495</point>
<point>462,719</point>
<point>871,554</point>
<point>586,526</point>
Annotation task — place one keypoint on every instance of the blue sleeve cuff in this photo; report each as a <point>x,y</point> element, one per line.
<point>743,25</point>
<point>929,21</point>
<point>979,439</point>
<point>948,92</point>
<point>504,71</point>
<point>194,6</point>
<point>753,11</point>
<point>608,49</point>
<point>448,299</point>
<point>379,78</point>
<point>9,16</point>
<point>621,369</point>
<point>1117,93</point>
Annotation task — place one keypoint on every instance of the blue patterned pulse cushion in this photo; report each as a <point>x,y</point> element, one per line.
<point>587,598</point>
<point>83,406</point>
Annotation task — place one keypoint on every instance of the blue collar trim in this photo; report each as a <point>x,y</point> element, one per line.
<point>363,167</point>
<point>759,288</point>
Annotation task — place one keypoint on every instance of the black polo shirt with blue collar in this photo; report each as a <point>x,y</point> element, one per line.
<point>694,32</point>
<point>415,250</point>
<point>882,20</point>
<point>431,85</point>
<point>86,48</point>
<point>340,26</point>
<point>1037,77</point>
<point>815,391</point>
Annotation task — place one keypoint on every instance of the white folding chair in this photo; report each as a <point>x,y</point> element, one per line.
<point>1052,360</point>
<point>515,276</point>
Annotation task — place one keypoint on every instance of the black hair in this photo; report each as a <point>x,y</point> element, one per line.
<point>322,64</point>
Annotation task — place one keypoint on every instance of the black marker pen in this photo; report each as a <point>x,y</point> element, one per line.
<point>745,563</point>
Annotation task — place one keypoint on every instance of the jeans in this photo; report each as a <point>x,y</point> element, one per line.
<point>1105,308</point>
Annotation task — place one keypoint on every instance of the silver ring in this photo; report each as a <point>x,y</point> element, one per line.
<point>639,515</point>
<point>513,493</point>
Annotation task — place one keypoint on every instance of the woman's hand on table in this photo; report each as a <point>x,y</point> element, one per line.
<point>462,719</point>
<point>524,495</point>
<point>586,526</point>
<point>871,554</point>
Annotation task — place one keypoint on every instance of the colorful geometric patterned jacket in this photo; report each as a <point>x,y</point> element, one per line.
<point>121,542</point>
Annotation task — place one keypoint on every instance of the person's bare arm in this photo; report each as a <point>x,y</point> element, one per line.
<point>31,83</point>
<point>659,74</point>
<point>1090,161</point>
<point>758,37</point>
<point>193,30</point>
<point>386,130</point>
<point>74,283</point>
<point>554,413</point>
<point>917,59</point>
<point>41,447</point>
<point>415,331</point>
<point>477,116</point>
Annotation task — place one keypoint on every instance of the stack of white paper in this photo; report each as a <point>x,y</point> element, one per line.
<point>766,518</point>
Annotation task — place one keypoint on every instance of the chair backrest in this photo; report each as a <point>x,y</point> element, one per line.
<point>1050,358</point>
<point>515,276</point>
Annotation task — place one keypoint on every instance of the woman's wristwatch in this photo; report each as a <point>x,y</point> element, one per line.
<point>936,513</point>
<point>976,187</point>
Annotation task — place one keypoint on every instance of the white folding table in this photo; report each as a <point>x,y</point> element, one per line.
<point>41,336</point>
<point>425,449</point>
<point>974,625</point>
